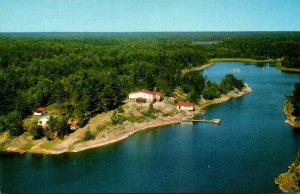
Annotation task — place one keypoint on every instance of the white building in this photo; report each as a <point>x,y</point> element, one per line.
<point>144,96</point>
<point>185,106</point>
<point>43,121</point>
<point>39,111</point>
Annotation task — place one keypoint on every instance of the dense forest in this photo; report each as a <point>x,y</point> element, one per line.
<point>82,74</point>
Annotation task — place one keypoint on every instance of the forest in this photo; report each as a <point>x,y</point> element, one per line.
<point>82,74</point>
<point>294,98</point>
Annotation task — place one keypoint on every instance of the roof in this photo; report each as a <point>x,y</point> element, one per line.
<point>73,123</point>
<point>40,109</point>
<point>185,104</point>
<point>146,91</point>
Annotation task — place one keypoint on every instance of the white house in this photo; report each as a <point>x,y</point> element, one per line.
<point>39,111</point>
<point>43,121</point>
<point>185,106</point>
<point>144,96</point>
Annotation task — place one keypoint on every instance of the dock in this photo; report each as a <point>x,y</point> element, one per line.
<point>214,121</point>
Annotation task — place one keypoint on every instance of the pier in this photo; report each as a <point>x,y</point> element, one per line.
<point>214,121</point>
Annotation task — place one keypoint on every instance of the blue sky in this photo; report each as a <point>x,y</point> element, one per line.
<point>148,15</point>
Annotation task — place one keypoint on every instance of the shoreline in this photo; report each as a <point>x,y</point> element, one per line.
<point>288,181</point>
<point>290,119</point>
<point>96,144</point>
<point>278,63</point>
<point>225,97</point>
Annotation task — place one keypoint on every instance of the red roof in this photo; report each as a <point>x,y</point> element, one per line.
<point>185,104</point>
<point>41,109</point>
<point>146,91</point>
<point>73,123</point>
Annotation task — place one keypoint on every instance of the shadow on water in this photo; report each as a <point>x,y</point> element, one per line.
<point>296,132</point>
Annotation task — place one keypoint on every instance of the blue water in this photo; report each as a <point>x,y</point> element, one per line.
<point>243,154</point>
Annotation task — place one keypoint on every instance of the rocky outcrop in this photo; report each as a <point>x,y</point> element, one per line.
<point>289,182</point>
<point>165,107</point>
<point>291,119</point>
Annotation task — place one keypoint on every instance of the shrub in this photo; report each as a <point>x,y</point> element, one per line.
<point>114,118</point>
<point>120,109</point>
<point>37,131</point>
<point>151,112</point>
<point>88,135</point>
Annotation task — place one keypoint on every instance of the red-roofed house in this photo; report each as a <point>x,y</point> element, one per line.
<point>73,125</point>
<point>144,96</point>
<point>40,111</point>
<point>185,106</point>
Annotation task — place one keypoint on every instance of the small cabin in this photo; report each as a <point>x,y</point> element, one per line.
<point>144,96</point>
<point>73,125</point>
<point>40,111</point>
<point>185,106</point>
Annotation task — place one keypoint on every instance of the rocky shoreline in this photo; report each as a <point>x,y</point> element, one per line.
<point>289,181</point>
<point>74,143</point>
<point>288,109</point>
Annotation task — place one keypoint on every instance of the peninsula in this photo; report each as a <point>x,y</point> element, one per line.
<point>129,119</point>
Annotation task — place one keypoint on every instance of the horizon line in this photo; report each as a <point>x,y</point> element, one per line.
<point>151,31</point>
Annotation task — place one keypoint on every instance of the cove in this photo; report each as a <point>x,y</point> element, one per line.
<point>243,154</point>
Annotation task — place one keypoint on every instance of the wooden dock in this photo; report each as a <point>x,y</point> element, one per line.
<point>214,121</point>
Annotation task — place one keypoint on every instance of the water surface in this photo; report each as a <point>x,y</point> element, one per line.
<point>243,154</point>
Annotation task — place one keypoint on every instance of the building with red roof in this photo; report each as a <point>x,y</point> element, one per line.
<point>73,125</point>
<point>40,111</point>
<point>144,96</point>
<point>185,106</point>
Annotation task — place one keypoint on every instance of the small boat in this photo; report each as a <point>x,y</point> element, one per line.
<point>236,70</point>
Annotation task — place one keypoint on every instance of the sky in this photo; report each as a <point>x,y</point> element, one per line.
<point>148,15</point>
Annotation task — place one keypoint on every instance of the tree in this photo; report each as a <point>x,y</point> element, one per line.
<point>37,131</point>
<point>52,124</point>
<point>211,91</point>
<point>193,96</point>
<point>63,128</point>
<point>114,118</point>
<point>14,123</point>
<point>229,82</point>
<point>193,81</point>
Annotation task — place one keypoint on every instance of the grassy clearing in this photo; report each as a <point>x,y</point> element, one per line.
<point>47,145</point>
<point>103,126</point>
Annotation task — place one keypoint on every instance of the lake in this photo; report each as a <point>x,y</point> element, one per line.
<point>243,154</point>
